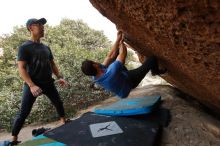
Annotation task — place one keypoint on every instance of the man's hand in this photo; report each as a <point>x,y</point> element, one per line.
<point>122,53</point>
<point>35,90</point>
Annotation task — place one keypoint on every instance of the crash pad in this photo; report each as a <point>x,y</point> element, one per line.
<point>42,141</point>
<point>4,143</point>
<point>92,129</point>
<point>130,106</point>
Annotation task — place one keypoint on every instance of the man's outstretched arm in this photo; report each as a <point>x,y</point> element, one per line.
<point>55,69</point>
<point>122,53</point>
<point>114,50</point>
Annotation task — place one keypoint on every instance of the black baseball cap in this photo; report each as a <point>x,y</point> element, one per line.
<point>35,21</point>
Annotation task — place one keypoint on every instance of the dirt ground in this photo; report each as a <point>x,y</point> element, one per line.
<point>190,124</point>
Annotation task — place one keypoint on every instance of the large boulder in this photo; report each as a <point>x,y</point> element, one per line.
<point>184,35</point>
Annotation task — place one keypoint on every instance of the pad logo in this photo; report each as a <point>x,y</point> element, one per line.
<point>104,129</point>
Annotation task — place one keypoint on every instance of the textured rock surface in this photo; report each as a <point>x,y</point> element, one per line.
<point>185,35</point>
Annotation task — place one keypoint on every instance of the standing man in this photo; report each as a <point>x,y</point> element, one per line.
<point>36,65</point>
<point>113,75</point>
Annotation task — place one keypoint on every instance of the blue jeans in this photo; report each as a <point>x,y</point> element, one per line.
<point>28,100</point>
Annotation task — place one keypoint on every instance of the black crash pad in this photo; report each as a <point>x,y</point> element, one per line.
<point>100,130</point>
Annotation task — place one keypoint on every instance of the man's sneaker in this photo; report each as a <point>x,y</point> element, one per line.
<point>13,143</point>
<point>67,121</point>
<point>39,131</point>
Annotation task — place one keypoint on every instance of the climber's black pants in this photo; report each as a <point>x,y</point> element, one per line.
<point>28,100</point>
<point>136,75</point>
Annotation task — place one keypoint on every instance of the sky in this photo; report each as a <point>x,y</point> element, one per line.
<point>17,12</point>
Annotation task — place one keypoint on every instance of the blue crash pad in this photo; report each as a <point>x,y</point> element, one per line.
<point>42,140</point>
<point>4,143</point>
<point>129,106</point>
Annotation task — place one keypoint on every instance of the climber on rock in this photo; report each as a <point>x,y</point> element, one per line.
<point>112,73</point>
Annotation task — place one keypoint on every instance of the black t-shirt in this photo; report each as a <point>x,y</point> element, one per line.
<point>38,57</point>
